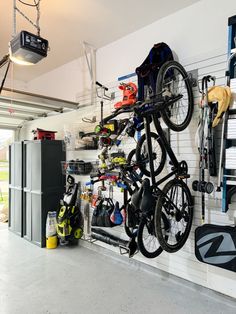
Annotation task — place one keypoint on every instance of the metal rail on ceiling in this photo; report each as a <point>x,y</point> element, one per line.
<point>20,101</point>
<point>25,104</point>
<point>16,116</point>
<point>22,111</point>
<point>37,101</point>
<point>8,126</point>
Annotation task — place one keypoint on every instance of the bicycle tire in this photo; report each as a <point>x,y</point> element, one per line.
<point>130,157</point>
<point>140,158</point>
<point>166,72</point>
<point>130,231</point>
<point>148,224</point>
<point>164,207</point>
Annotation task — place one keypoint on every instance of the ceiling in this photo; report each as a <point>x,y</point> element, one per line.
<point>67,23</point>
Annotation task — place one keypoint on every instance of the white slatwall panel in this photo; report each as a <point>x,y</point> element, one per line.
<point>182,263</point>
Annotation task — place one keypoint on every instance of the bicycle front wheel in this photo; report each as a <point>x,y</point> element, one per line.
<point>173,83</point>
<point>158,154</point>
<point>148,243</point>
<point>175,205</point>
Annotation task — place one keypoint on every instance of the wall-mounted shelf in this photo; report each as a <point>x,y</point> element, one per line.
<point>78,167</point>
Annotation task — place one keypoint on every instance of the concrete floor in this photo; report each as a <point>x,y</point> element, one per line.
<point>81,281</point>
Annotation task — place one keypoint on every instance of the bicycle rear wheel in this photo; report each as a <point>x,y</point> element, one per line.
<point>148,243</point>
<point>173,82</point>
<point>131,160</point>
<point>131,221</point>
<point>158,154</point>
<point>175,204</point>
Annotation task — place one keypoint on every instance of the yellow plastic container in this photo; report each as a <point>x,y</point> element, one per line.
<point>51,242</point>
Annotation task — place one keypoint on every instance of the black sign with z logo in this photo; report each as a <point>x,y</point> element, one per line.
<point>216,245</point>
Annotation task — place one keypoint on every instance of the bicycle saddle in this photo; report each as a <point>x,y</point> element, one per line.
<point>143,199</point>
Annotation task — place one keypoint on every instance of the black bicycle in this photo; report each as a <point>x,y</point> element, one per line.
<point>164,222</point>
<point>174,205</point>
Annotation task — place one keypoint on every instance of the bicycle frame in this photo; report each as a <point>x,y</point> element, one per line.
<point>168,148</point>
<point>176,165</point>
<point>146,115</point>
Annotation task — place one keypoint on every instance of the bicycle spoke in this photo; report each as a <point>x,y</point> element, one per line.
<point>175,206</point>
<point>173,81</point>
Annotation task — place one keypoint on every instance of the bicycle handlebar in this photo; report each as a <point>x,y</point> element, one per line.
<point>116,113</point>
<point>102,86</point>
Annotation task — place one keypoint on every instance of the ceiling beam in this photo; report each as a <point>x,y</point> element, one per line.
<point>30,105</point>
<point>16,116</point>
<point>23,96</point>
<point>9,126</point>
<point>22,111</point>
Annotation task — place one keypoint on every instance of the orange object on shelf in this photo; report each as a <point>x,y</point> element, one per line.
<point>129,95</point>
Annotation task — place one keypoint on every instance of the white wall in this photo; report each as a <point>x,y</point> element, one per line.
<point>64,82</point>
<point>190,32</point>
<point>196,34</point>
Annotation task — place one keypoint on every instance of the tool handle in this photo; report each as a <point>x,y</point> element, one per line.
<point>92,182</point>
<point>121,185</point>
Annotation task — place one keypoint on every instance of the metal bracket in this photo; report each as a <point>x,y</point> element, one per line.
<point>193,77</point>
<point>91,63</point>
<point>88,120</point>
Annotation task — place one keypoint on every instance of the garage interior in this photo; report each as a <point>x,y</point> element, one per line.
<point>117,156</point>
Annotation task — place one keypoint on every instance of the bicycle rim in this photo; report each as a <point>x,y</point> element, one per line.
<point>131,160</point>
<point>148,243</point>
<point>173,81</point>
<point>175,204</point>
<point>158,154</point>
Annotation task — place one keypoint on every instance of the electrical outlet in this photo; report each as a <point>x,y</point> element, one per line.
<point>193,76</point>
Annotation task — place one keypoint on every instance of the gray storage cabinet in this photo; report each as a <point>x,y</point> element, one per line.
<point>16,188</point>
<point>44,185</point>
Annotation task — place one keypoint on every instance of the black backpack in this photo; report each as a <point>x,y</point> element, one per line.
<point>148,70</point>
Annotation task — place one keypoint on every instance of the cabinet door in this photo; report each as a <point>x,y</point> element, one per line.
<point>16,223</point>
<point>12,165</point>
<point>18,212</point>
<point>11,209</point>
<point>36,167</point>
<point>18,164</point>
<point>28,218</point>
<point>52,154</point>
<point>36,218</point>
<point>28,165</point>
